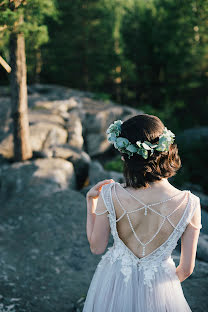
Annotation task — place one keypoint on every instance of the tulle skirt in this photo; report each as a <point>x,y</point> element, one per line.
<point>109,293</point>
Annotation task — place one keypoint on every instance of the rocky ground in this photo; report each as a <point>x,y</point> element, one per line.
<point>46,263</point>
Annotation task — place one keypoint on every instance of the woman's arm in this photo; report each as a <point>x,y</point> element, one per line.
<point>92,198</point>
<point>189,241</point>
<point>91,206</point>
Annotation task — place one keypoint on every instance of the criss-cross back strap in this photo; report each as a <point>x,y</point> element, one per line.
<point>147,206</point>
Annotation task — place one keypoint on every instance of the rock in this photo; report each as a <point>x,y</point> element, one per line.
<point>55,109</point>
<point>45,135</point>
<point>42,135</point>
<point>45,254</point>
<point>5,126</point>
<point>3,161</point>
<point>96,124</point>
<point>74,128</point>
<point>204,221</point>
<point>60,106</point>
<point>7,146</point>
<point>5,113</point>
<point>202,247</point>
<point>45,117</point>
<point>46,89</point>
<point>81,163</point>
<point>97,173</point>
<point>45,153</point>
<point>80,160</point>
<point>96,143</point>
<point>196,296</point>
<point>45,176</point>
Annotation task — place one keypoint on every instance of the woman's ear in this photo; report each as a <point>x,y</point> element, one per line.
<point>122,158</point>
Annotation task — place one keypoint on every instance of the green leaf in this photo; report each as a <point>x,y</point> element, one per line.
<point>131,148</point>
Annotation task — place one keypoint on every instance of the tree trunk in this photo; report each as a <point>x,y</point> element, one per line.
<point>22,147</point>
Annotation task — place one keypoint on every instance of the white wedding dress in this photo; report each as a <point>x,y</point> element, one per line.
<point>124,282</point>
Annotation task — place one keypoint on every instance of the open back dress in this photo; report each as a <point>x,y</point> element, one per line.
<point>137,273</point>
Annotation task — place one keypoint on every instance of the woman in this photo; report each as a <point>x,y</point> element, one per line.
<point>146,216</point>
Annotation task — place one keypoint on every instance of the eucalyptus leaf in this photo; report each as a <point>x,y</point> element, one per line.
<point>111,137</point>
<point>131,148</point>
<point>122,142</point>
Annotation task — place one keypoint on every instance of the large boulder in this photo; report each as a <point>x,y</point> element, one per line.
<point>97,173</point>
<point>45,117</point>
<point>5,113</point>
<point>60,107</point>
<point>6,145</point>
<point>46,130</point>
<point>97,122</point>
<point>44,176</point>
<point>204,221</point>
<point>46,262</point>
<point>43,135</point>
<point>202,247</point>
<point>74,128</point>
<point>80,160</point>
<point>58,115</point>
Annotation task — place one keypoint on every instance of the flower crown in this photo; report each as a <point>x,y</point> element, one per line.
<point>141,148</point>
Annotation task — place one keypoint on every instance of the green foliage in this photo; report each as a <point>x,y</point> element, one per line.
<point>29,18</point>
<point>114,165</point>
<point>102,96</point>
<point>81,47</point>
<point>33,13</point>
<point>159,38</point>
<point>166,42</point>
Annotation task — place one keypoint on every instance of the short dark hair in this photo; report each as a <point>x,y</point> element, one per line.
<point>139,172</point>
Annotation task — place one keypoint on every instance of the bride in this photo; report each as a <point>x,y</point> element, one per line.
<point>146,216</point>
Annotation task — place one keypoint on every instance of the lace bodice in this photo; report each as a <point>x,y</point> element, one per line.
<point>161,255</point>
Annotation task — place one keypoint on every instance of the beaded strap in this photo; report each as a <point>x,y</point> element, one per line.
<point>145,206</point>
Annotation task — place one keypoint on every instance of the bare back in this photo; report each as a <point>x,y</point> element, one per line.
<point>147,217</point>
